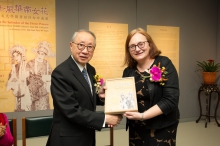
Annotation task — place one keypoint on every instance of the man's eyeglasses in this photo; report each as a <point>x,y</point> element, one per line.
<point>82,47</point>
<point>140,46</point>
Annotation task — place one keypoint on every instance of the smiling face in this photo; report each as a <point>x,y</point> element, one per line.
<point>82,56</point>
<point>139,53</point>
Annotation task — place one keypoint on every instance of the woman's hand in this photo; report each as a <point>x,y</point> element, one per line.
<point>134,115</point>
<point>14,80</point>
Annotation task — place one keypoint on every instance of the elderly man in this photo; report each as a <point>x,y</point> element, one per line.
<point>74,97</point>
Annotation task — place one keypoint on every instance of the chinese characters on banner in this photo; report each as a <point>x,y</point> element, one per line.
<point>27,54</point>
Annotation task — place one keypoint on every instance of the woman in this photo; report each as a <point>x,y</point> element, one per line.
<point>6,139</point>
<point>17,77</point>
<point>157,88</point>
<point>39,77</point>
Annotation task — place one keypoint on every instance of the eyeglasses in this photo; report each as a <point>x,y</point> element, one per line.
<point>81,47</point>
<point>140,46</point>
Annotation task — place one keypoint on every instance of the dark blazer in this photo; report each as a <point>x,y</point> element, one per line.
<point>166,97</point>
<point>74,116</point>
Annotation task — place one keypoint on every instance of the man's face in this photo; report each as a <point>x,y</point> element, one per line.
<point>82,56</point>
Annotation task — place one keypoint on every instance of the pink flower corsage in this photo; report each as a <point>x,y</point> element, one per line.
<point>157,74</point>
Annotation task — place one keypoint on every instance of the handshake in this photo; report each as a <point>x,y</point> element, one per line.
<point>113,120</point>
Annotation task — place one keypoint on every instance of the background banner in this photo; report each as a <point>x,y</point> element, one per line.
<point>109,52</point>
<point>27,54</point>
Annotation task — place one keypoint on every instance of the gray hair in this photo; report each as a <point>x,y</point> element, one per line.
<point>83,30</point>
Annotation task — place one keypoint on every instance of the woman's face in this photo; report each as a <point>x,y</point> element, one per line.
<point>139,47</point>
<point>41,55</point>
<point>17,57</point>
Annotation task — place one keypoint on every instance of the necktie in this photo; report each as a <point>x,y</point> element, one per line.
<point>85,75</point>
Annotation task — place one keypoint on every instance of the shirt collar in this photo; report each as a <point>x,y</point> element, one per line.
<point>79,66</point>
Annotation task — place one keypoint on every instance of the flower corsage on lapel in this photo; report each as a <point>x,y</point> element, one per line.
<point>99,82</point>
<point>157,74</point>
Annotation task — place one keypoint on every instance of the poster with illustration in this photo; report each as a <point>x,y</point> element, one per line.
<point>27,54</point>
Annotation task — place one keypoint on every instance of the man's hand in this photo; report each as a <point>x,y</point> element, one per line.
<point>102,92</point>
<point>113,120</point>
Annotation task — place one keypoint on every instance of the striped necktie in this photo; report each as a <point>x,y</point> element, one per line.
<point>85,75</point>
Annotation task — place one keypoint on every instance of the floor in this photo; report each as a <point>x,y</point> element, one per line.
<point>189,134</point>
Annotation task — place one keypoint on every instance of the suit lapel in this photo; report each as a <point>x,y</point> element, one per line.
<point>79,76</point>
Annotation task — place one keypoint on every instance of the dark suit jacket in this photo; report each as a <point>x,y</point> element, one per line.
<point>74,116</point>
